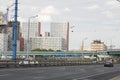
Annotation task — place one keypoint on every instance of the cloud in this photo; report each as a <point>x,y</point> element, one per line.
<point>67,9</point>
<point>113,3</point>
<point>47,13</point>
<point>93,7</point>
<point>45,18</point>
<point>34,8</point>
<point>49,10</point>
<point>117,21</point>
<point>109,14</point>
<point>21,19</point>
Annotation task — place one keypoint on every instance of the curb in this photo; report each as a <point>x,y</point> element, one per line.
<point>116,78</point>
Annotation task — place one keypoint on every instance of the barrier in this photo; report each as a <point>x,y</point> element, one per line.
<point>34,63</point>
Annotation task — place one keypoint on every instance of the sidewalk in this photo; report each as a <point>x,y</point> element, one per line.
<point>116,78</point>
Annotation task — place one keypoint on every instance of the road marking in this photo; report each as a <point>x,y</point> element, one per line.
<point>91,75</point>
<point>4,75</point>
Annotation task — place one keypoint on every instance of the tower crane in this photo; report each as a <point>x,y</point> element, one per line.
<point>8,10</point>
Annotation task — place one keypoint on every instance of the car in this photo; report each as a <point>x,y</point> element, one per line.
<point>28,61</point>
<point>108,63</point>
<point>24,62</point>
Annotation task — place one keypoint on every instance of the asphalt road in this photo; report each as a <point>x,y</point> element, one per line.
<point>82,72</point>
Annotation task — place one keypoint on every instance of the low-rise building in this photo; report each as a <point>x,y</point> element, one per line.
<point>97,45</point>
<point>53,43</point>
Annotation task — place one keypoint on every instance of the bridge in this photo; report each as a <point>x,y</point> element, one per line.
<point>70,54</point>
<point>114,52</point>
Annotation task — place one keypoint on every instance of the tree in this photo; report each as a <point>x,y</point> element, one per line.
<point>58,50</point>
<point>50,50</point>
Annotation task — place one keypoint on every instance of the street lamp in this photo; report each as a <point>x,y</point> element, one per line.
<point>83,43</point>
<point>82,47</point>
<point>28,33</point>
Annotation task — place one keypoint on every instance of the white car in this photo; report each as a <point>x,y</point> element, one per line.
<point>28,62</point>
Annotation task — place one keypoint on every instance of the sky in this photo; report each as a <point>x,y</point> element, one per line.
<point>92,19</point>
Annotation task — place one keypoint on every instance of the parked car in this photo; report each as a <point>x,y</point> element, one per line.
<point>108,63</point>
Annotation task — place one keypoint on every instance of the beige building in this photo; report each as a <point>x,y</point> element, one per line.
<point>97,45</point>
<point>47,34</point>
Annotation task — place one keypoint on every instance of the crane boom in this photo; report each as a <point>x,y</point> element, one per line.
<point>8,9</point>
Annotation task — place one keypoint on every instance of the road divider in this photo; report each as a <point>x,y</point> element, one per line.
<point>40,63</point>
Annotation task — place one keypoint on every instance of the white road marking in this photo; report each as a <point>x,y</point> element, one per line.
<point>4,75</point>
<point>91,75</point>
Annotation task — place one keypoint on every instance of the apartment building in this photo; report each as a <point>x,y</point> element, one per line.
<point>61,30</point>
<point>97,45</point>
<point>29,30</point>
<point>54,43</point>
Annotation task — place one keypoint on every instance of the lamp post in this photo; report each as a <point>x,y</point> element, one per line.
<point>29,33</point>
<point>83,46</point>
<point>83,43</point>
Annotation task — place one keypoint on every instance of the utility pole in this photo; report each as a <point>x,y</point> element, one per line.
<point>28,42</point>
<point>15,30</point>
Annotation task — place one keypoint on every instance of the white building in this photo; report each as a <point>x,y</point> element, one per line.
<point>61,30</point>
<point>33,30</point>
<point>54,43</point>
<point>3,42</point>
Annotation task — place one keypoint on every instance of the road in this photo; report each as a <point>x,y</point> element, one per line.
<point>82,72</point>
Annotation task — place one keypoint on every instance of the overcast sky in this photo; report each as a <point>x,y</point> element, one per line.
<point>94,19</point>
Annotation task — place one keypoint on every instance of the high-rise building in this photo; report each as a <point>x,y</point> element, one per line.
<point>61,30</point>
<point>10,35</point>
<point>33,29</point>
<point>11,25</point>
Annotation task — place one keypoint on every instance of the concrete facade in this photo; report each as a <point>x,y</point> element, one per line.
<point>97,45</point>
<point>54,43</point>
<point>61,30</point>
<point>3,42</point>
